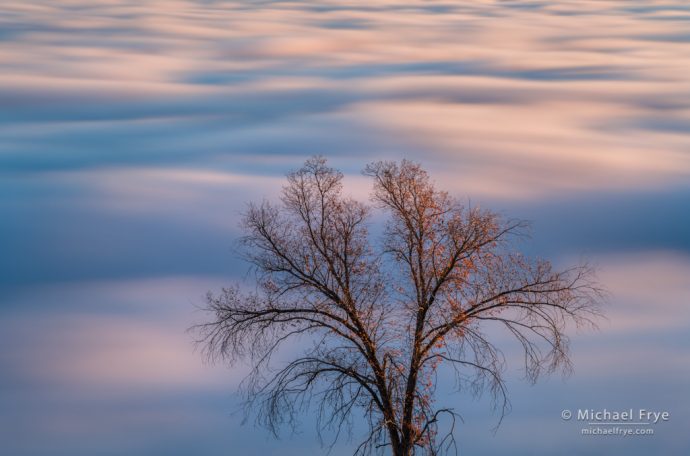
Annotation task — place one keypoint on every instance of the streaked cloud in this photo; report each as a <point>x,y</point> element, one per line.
<point>133,133</point>
<point>109,336</point>
<point>121,346</point>
<point>571,96</point>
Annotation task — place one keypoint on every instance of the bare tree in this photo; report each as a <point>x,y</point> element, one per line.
<point>382,317</point>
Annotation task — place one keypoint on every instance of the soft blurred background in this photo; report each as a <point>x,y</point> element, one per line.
<point>132,133</point>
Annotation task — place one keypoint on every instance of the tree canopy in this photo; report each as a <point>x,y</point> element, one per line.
<point>383,313</point>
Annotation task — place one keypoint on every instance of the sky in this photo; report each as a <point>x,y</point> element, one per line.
<point>132,134</point>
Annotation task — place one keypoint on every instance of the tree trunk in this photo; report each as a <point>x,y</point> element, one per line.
<point>403,450</point>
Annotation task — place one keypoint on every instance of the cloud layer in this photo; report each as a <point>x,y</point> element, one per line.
<point>133,133</point>
<point>519,98</point>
